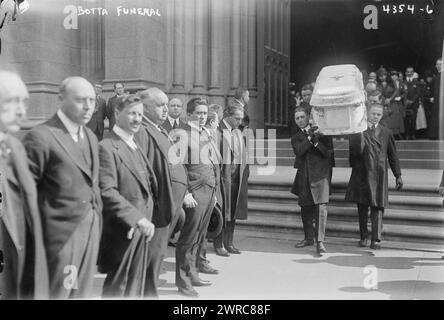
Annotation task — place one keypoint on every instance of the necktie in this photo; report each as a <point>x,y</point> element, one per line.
<point>175,124</point>
<point>79,135</point>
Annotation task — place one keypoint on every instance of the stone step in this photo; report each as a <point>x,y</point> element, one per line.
<point>405,163</point>
<point>391,215</point>
<point>392,232</point>
<point>343,153</point>
<point>343,144</point>
<point>396,201</point>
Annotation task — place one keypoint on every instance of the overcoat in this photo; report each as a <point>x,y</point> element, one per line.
<point>313,177</point>
<point>369,153</point>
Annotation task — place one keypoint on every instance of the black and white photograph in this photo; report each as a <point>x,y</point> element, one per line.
<point>232,152</point>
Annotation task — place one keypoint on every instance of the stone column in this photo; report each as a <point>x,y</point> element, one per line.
<point>199,47</point>
<point>178,48</point>
<point>235,46</point>
<point>216,42</point>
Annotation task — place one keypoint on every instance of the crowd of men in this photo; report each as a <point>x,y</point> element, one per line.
<point>370,152</point>
<point>76,196</point>
<point>410,100</point>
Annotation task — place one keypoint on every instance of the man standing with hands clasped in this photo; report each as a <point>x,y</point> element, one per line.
<point>368,185</point>
<point>312,181</point>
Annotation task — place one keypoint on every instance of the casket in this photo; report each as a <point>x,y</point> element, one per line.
<point>338,101</point>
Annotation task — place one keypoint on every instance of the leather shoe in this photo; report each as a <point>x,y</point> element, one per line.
<point>321,248</point>
<point>363,243</point>
<point>221,252</point>
<point>232,249</point>
<point>304,243</point>
<point>201,283</point>
<point>189,292</point>
<point>375,246</point>
<point>207,269</point>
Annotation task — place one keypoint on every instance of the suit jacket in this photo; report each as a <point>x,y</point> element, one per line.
<point>368,158</point>
<point>199,171</point>
<point>110,108</point>
<point>172,178</point>
<point>167,125</point>
<point>313,178</point>
<point>96,124</point>
<point>125,194</point>
<point>67,188</point>
<point>413,91</point>
<point>29,272</point>
<point>230,171</point>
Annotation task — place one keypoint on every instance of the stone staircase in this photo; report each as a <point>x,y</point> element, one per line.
<point>414,154</point>
<point>415,215</point>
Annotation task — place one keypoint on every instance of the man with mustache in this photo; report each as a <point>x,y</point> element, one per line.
<point>64,160</point>
<point>129,189</point>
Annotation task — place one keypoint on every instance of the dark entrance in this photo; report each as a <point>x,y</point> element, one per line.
<point>332,32</point>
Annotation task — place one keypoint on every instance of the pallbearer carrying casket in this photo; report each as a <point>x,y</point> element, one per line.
<point>368,185</point>
<point>312,182</point>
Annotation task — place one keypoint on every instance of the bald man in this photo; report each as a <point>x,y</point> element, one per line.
<point>171,176</point>
<point>64,160</point>
<point>23,266</point>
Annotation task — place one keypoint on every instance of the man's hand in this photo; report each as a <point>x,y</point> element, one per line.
<point>441,191</point>
<point>189,202</point>
<point>316,137</point>
<point>146,228</point>
<point>399,183</point>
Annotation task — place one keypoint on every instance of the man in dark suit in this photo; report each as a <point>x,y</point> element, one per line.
<point>97,124</point>
<point>312,182</point>
<point>171,175</point>
<point>64,160</point>
<point>234,178</point>
<point>119,90</point>
<point>241,98</point>
<point>436,113</point>
<point>23,265</point>
<point>200,200</point>
<point>173,121</point>
<point>411,102</point>
<point>129,189</point>
<point>368,185</point>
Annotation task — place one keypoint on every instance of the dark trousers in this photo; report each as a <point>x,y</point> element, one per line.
<point>410,122</point>
<point>187,248</point>
<point>314,221</point>
<point>80,255</point>
<point>376,214</point>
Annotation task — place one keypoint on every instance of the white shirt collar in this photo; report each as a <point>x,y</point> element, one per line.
<point>197,127</point>
<point>72,127</point>
<point>125,136</point>
<point>172,120</point>
<point>369,124</point>
<point>227,125</point>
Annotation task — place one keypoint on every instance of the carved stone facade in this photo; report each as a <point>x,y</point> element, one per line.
<point>195,47</point>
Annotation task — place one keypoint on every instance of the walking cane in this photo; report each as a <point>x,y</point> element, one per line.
<point>144,266</point>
